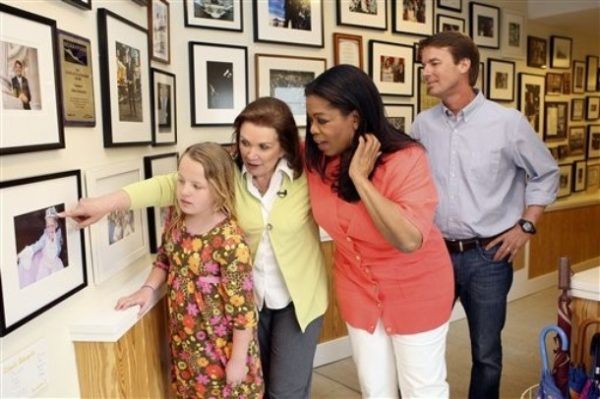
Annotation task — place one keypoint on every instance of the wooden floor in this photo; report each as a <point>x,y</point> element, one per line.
<point>522,365</point>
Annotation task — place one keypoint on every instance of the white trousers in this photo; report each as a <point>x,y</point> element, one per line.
<point>416,363</point>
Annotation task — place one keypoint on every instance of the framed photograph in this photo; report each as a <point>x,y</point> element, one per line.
<point>416,53</point>
<point>591,80</point>
<point>578,77</point>
<point>84,4</point>
<point>424,99</point>
<point>560,52</point>
<point>554,84</point>
<point>77,80</point>
<point>557,117</point>
<point>577,107</point>
<point>348,49</point>
<point>513,35</point>
<point>391,67</point>
<point>537,50</point>
<point>566,80</point>
<point>579,176</point>
<point>164,107</point>
<point>364,14</point>
<point>481,78</point>
<point>501,80</point>
<point>29,70</point>
<point>448,23</point>
<point>593,146</point>
<point>159,28</point>
<point>592,108</point>
<point>484,25</point>
<point>531,100</point>
<point>592,177</point>
<point>296,22</point>
<point>285,77</point>
<point>564,182</point>
<point>400,115</point>
<point>218,83</point>
<point>413,17</point>
<point>121,237</point>
<point>223,15</point>
<point>155,165</point>
<point>453,5</point>
<point>577,141</point>
<point>125,81</point>
<point>43,261</point>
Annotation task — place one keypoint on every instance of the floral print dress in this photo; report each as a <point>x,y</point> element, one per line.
<point>210,293</point>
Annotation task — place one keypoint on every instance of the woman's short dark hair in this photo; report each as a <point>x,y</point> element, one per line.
<point>348,89</point>
<point>460,46</point>
<point>274,113</point>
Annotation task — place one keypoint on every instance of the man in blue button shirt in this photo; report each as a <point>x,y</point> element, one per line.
<point>494,178</point>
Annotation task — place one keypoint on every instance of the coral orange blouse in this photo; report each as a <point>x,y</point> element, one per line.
<point>409,292</point>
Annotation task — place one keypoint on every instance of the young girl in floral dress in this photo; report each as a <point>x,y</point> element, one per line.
<point>207,266</point>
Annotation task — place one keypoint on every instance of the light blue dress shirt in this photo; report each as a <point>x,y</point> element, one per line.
<point>488,164</point>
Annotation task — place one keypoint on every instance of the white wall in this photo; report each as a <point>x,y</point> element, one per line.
<point>84,146</point>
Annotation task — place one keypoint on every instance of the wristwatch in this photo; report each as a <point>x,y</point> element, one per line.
<point>527,226</point>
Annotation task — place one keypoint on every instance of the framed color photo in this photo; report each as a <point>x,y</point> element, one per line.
<point>554,84</point>
<point>159,28</point>
<point>77,80</point>
<point>577,141</point>
<point>363,14</point>
<point>453,5</point>
<point>531,100</point>
<point>578,77</point>
<point>43,261</point>
<point>298,22</point>
<point>591,80</point>
<point>448,23</point>
<point>413,17</point>
<point>391,67</point>
<point>513,35</point>
<point>537,50</point>
<point>164,107</point>
<point>592,108</point>
<point>501,80</point>
<point>560,52</point>
<point>424,100</point>
<point>564,182</point>
<point>484,25</point>
<point>577,109</point>
<point>285,77</point>
<point>593,147</point>
<point>224,15</point>
<point>557,117</point>
<point>219,83</point>
<point>155,165</point>
<point>348,49</point>
<point>579,176</point>
<point>31,101</point>
<point>592,176</point>
<point>121,237</point>
<point>400,115</point>
<point>125,81</point>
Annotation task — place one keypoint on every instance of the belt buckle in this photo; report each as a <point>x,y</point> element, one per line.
<point>460,246</point>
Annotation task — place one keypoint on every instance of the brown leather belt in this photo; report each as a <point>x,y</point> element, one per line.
<point>458,246</point>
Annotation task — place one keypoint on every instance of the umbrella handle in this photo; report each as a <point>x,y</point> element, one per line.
<point>564,341</point>
<point>582,333</point>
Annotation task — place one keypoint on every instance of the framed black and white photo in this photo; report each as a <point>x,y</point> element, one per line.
<point>29,69</point>
<point>363,14</point>
<point>591,80</point>
<point>121,238</point>
<point>484,25</point>
<point>424,99</point>
<point>155,165</point>
<point>83,4</point>
<point>554,84</point>
<point>164,107</point>
<point>566,83</point>
<point>531,100</point>
<point>159,28</point>
<point>577,109</point>
<point>391,67</point>
<point>557,117</point>
<point>452,5</point>
<point>578,77</point>
<point>285,77</point>
<point>537,52</point>
<point>43,261</point>
<point>297,22</point>
<point>593,146</point>
<point>218,83</point>
<point>577,142</point>
<point>592,108</point>
<point>223,15</point>
<point>564,182</point>
<point>448,23</point>
<point>513,35</point>
<point>347,49</point>
<point>125,81</point>
<point>413,17</point>
<point>400,115</point>
<point>579,176</point>
<point>501,80</point>
<point>560,52</point>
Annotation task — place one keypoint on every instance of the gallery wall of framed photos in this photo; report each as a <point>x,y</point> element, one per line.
<point>110,83</point>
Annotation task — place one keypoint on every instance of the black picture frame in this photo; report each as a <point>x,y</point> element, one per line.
<point>23,129</point>
<point>556,120</point>
<point>443,22</point>
<point>484,25</point>
<point>500,80</point>
<point>391,67</point>
<point>214,16</point>
<point>592,108</point>
<point>163,91</point>
<point>577,142</point>
<point>125,81</point>
<point>560,52</point>
<point>413,21</point>
<point>578,77</point>
<point>591,75</point>
<point>351,14</point>
<point>579,176</point>
<point>593,141</point>
<point>452,5</point>
<point>531,100</point>
<point>24,219</point>
<point>401,116</point>
<point>554,84</point>
<point>565,178</point>
<point>577,109</point>
<point>537,52</point>
<point>159,30</point>
<point>83,4</point>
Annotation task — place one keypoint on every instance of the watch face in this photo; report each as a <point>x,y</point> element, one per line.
<point>527,226</point>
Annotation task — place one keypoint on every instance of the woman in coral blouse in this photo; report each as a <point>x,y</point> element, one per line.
<point>371,189</point>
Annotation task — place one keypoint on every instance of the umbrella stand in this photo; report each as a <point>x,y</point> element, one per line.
<point>578,377</point>
<point>548,388</point>
<point>560,367</point>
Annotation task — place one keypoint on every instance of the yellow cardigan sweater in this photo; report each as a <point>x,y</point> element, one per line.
<point>291,228</point>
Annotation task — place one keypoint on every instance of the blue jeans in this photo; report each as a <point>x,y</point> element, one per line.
<point>482,286</point>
